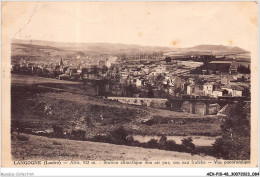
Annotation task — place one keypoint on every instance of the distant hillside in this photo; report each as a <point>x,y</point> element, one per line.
<point>235,53</point>
<point>113,48</point>
<point>218,48</point>
<point>91,52</point>
<point>35,50</point>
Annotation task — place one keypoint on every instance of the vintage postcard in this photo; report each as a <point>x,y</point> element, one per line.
<point>129,84</point>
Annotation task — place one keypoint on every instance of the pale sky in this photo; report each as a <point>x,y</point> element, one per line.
<point>177,24</point>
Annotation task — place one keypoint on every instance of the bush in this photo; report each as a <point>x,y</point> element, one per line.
<point>19,127</point>
<point>187,144</point>
<point>56,143</point>
<point>23,137</point>
<point>102,138</point>
<point>138,144</point>
<point>130,140</point>
<point>171,145</point>
<point>235,141</point>
<point>153,143</point>
<point>162,141</point>
<point>232,148</point>
<point>57,131</point>
<point>78,135</point>
<point>119,136</point>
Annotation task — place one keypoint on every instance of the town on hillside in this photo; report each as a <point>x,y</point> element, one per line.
<point>158,75</point>
<point>192,100</point>
<point>157,84</point>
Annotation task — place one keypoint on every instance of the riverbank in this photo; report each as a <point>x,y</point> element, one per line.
<point>197,140</point>
<point>44,148</point>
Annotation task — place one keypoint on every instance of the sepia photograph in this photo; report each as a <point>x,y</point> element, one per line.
<point>129,83</point>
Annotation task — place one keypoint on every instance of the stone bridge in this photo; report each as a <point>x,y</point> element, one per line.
<point>177,103</point>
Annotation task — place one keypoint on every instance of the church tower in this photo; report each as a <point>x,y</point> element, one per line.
<point>61,62</point>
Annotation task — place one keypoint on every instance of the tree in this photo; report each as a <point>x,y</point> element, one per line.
<point>246,92</point>
<point>153,143</point>
<point>168,60</point>
<point>199,81</point>
<point>235,141</point>
<point>104,69</point>
<point>149,89</point>
<point>243,69</point>
<point>57,131</point>
<point>131,89</point>
<point>95,70</point>
<point>78,134</point>
<point>150,94</point>
<point>119,136</point>
<point>162,141</point>
<point>188,144</point>
<point>178,90</point>
<point>159,77</point>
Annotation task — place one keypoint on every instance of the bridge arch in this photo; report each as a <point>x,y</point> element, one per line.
<point>200,108</point>
<point>214,108</point>
<point>186,105</point>
<point>191,105</point>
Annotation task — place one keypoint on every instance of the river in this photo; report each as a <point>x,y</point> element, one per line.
<point>197,140</point>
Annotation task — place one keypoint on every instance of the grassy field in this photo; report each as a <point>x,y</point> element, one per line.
<point>62,149</point>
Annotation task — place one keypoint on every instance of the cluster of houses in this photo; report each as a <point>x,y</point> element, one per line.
<point>163,78</point>
<point>214,89</point>
<point>149,75</point>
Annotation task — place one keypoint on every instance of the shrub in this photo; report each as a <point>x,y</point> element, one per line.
<point>153,143</point>
<point>162,141</point>
<point>18,127</point>
<point>56,143</point>
<point>168,104</point>
<point>102,138</point>
<point>119,136</point>
<point>232,148</point>
<point>130,140</point>
<point>97,138</point>
<point>187,144</point>
<point>23,137</point>
<point>138,144</point>
<point>170,145</point>
<point>78,135</point>
<point>57,131</point>
<point>235,141</point>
